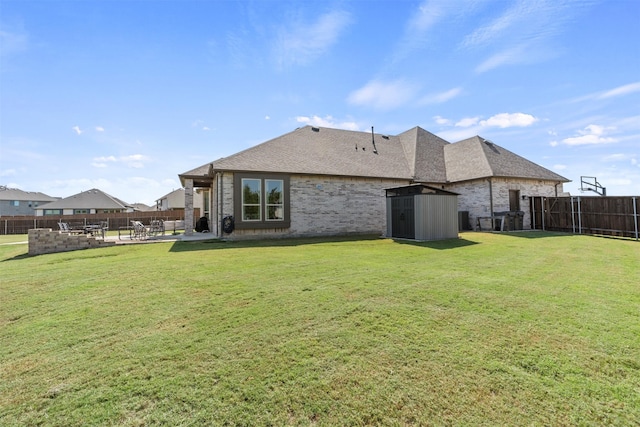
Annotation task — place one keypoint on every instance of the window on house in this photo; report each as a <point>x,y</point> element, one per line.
<point>80,211</point>
<point>15,203</point>
<point>52,212</point>
<point>261,201</point>
<point>251,199</point>
<point>206,202</point>
<point>274,189</point>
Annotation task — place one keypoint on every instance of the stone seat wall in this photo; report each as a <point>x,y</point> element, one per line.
<point>46,241</point>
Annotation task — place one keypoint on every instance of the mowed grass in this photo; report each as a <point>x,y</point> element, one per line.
<point>490,329</point>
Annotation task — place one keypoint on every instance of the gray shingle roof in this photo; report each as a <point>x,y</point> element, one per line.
<point>90,199</point>
<point>323,151</point>
<point>476,157</point>
<point>415,155</point>
<point>425,154</point>
<point>7,193</point>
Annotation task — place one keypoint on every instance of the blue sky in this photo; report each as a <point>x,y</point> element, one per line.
<point>125,95</point>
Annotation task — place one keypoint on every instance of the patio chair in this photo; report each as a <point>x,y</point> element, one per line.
<point>156,227</point>
<point>64,228</point>
<point>139,231</point>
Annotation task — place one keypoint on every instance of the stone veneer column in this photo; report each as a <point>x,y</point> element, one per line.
<point>188,207</point>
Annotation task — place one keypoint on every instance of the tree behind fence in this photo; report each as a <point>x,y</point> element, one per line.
<point>22,224</point>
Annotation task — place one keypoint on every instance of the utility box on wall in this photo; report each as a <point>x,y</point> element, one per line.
<point>422,213</point>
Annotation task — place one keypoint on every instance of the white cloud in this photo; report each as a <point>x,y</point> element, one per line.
<point>554,143</point>
<point>488,33</point>
<point>383,95</point>
<point>592,134</point>
<point>621,90</point>
<point>99,129</point>
<point>136,161</point>
<point>467,121</point>
<point>304,42</point>
<point>424,18</point>
<point>77,130</point>
<point>559,167</point>
<point>507,120</point>
<point>611,93</point>
<point>458,134</point>
<point>200,124</point>
<point>13,41</point>
<point>428,13</point>
<point>620,157</point>
<point>510,56</point>
<point>441,120</point>
<point>7,172</point>
<point>439,98</point>
<point>521,33</point>
<point>328,122</point>
<point>105,159</point>
<point>267,118</point>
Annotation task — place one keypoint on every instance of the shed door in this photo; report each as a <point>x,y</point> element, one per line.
<point>402,218</point>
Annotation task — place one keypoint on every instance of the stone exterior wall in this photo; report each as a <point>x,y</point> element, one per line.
<point>46,241</point>
<point>329,205</point>
<point>332,205</point>
<point>323,206</point>
<point>474,196</point>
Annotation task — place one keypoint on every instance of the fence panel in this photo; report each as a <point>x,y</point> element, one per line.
<point>610,215</point>
<point>22,224</point>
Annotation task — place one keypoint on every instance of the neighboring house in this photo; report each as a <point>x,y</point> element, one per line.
<point>175,201</point>
<point>141,207</point>
<point>17,202</point>
<point>321,181</point>
<point>88,202</point>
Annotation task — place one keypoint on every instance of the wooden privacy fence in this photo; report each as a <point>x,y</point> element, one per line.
<point>612,216</point>
<point>22,224</point>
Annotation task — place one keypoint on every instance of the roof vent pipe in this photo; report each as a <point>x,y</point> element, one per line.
<point>373,141</point>
<point>315,129</point>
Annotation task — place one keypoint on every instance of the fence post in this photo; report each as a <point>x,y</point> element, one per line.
<point>573,220</point>
<point>635,215</point>
<point>579,217</point>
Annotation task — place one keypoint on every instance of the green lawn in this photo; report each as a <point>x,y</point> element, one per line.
<point>491,329</point>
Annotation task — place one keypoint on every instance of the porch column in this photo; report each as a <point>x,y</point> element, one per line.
<point>188,207</point>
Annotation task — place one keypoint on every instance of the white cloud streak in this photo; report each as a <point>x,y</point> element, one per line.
<point>383,95</point>
<point>136,161</point>
<point>302,43</point>
<point>520,35</point>
<point>439,98</point>
<point>428,15</point>
<point>621,91</point>
<point>12,42</point>
<point>327,121</point>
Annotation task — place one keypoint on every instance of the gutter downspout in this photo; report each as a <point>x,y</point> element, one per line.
<point>493,221</point>
<point>219,203</point>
